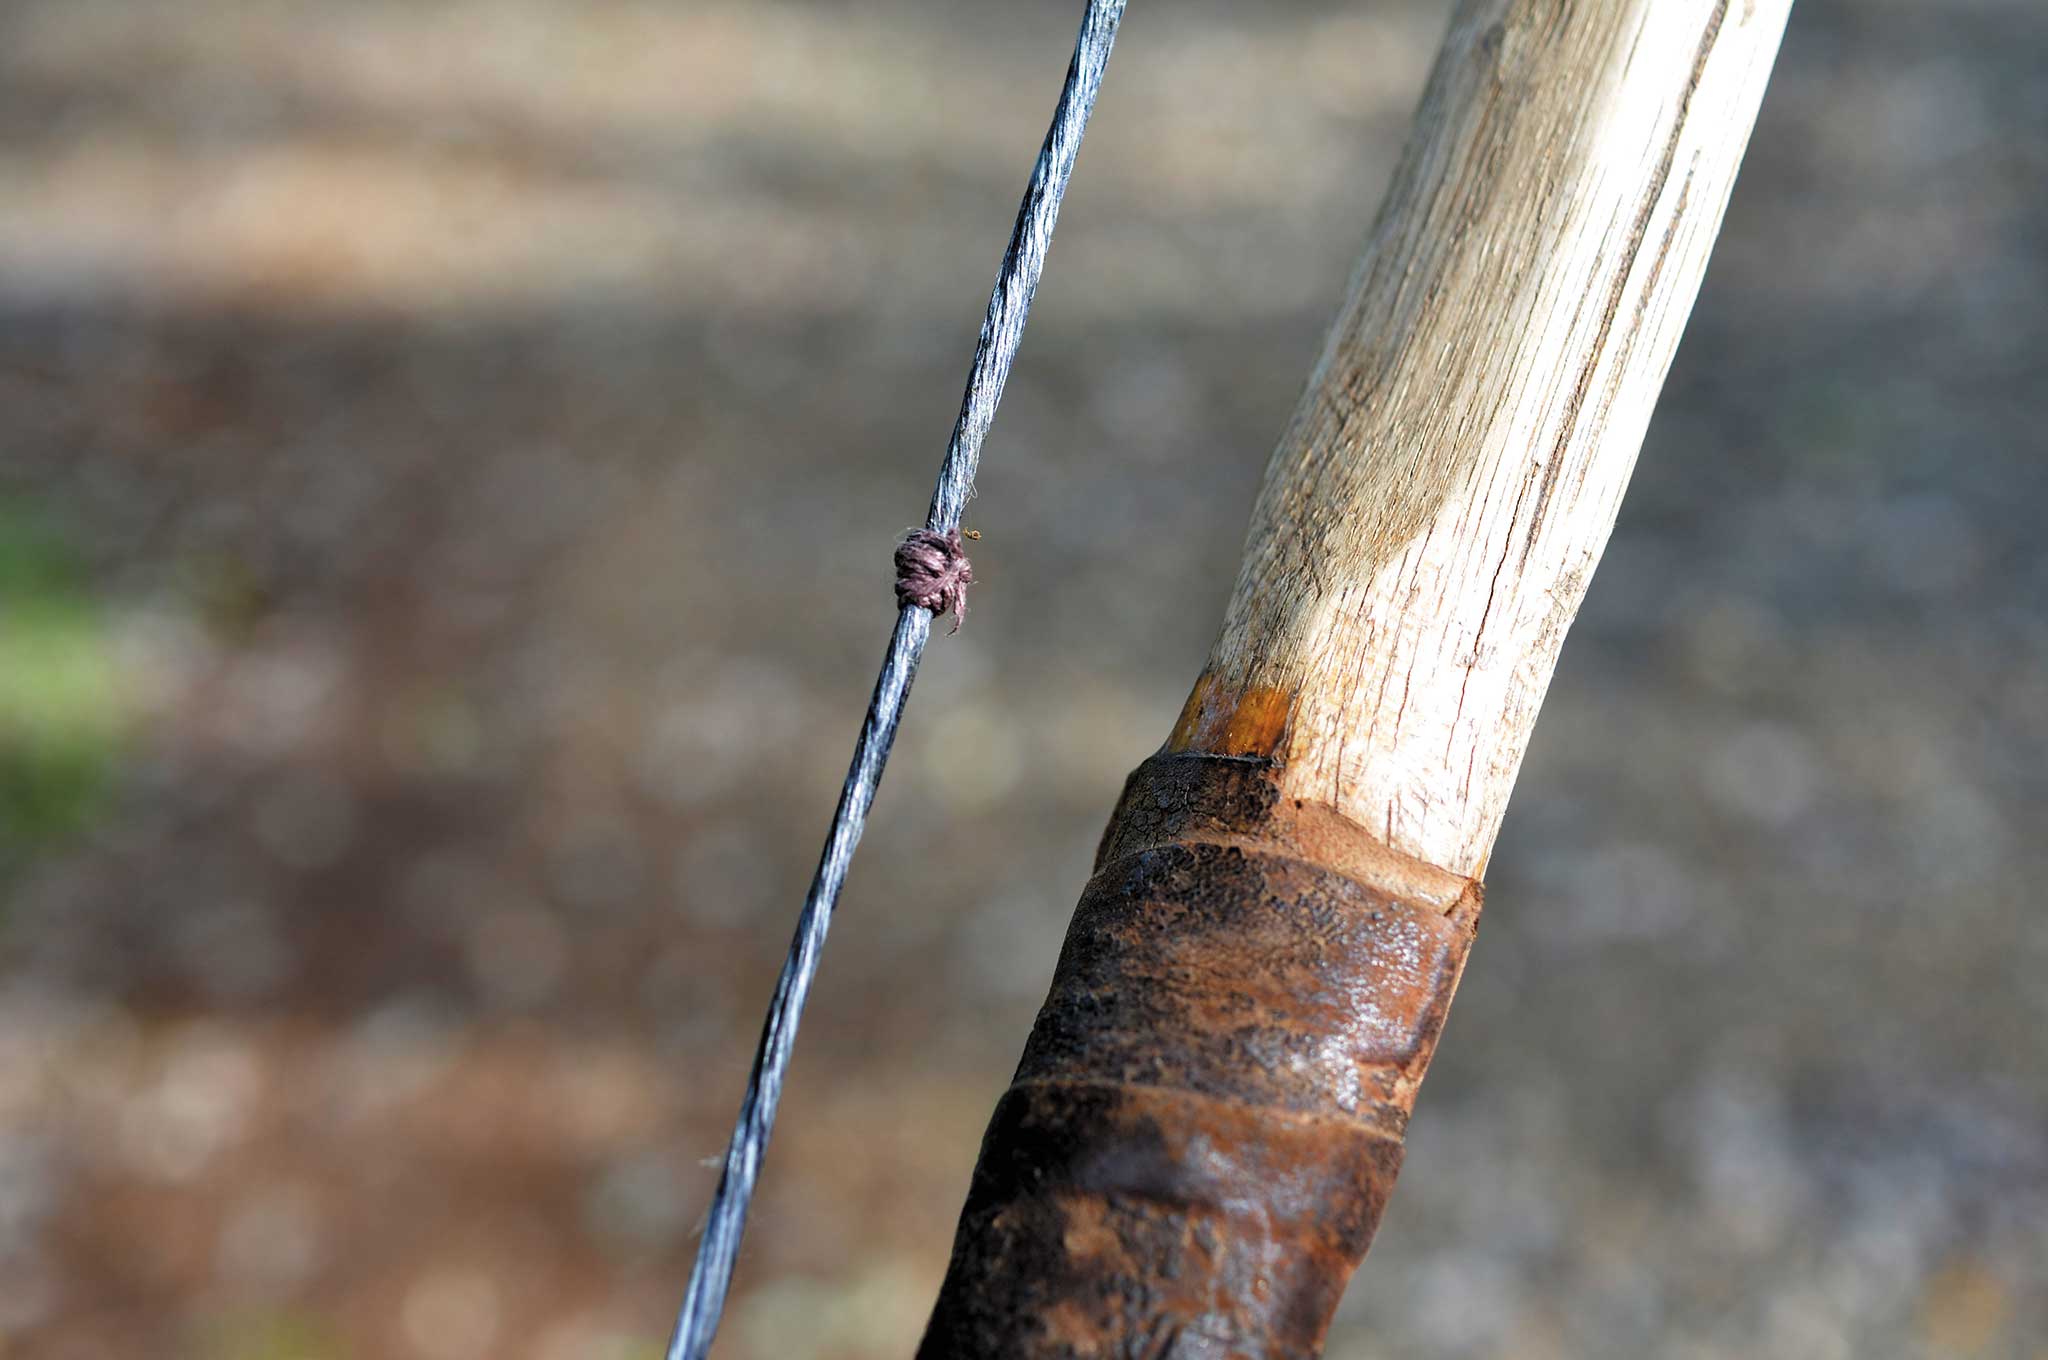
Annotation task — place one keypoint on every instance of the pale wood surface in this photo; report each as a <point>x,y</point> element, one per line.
<point>1433,514</point>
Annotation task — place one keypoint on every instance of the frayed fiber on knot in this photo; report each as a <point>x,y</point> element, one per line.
<point>932,572</point>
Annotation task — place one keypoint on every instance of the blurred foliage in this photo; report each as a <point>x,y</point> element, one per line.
<point>271,1334</point>
<point>60,710</point>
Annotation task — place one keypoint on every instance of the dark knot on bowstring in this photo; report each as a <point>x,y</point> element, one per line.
<point>932,572</point>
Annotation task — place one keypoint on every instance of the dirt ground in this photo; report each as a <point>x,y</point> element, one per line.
<point>449,455</point>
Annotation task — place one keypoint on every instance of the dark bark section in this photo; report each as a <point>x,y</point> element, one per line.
<point>1207,1119</point>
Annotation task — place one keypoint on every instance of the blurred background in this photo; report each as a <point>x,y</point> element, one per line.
<point>449,456</point>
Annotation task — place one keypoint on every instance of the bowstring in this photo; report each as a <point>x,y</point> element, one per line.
<point>1001,332</point>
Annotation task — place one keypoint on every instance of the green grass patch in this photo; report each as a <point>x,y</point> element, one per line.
<point>61,716</point>
<point>271,1334</point>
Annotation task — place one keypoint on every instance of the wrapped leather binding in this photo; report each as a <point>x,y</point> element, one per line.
<point>1208,1117</point>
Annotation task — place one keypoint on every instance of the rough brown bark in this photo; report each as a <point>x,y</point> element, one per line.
<point>1208,1117</point>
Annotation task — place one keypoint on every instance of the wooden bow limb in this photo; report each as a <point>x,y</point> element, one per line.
<point>1209,1113</point>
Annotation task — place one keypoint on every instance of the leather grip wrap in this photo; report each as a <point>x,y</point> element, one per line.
<point>1207,1119</point>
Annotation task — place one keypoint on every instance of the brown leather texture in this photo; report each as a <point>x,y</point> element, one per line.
<point>1207,1120</point>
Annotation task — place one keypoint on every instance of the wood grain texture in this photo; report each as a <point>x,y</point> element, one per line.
<point>1433,514</point>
